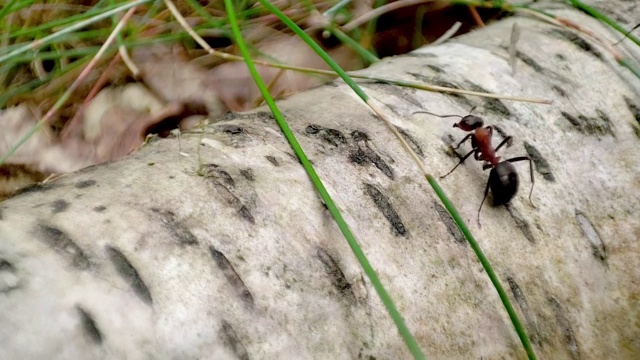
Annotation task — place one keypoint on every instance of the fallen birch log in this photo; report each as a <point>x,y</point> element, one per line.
<point>216,245</point>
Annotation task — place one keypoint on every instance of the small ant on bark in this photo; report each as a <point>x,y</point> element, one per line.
<point>503,178</point>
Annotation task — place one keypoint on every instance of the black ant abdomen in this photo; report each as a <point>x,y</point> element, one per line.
<point>503,182</point>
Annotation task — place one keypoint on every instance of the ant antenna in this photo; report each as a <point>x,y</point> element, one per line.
<point>440,116</point>
<point>443,116</point>
<point>626,34</point>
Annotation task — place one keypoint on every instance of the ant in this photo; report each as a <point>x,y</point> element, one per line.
<point>503,178</point>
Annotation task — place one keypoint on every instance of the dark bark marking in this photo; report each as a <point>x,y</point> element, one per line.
<point>530,62</point>
<point>495,106</point>
<point>100,208</point>
<point>438,81</point>
<point>231,338</point>
<point>633,108</point>
<point>247,173</point>
<point>224,184</point>
<point>363,154</point>
<point>435,80</point>
<point>336,275</point>
<point>578,41</point>
<point>213,170</point>
<point>129,274</point>
<point>295,158</point>
<point>635,111</point>
<point>233,200</point>
<point>9,279</point>
<point>521,300</point>
<point>560,91</point>
<point>542,165</point>
<point>232,129</point>
<point>571,119</point>
<point>64,246</point>
<point>636,130</point>
<point>600,125</point>
<point>35,188</point>
<point>245,213</point>
<point>59,206</point>
<point>89,326</point>
<point>500,131</point>
<point>397,91</point>
<point>592,236</point>
<point>272,160</point>
<point>434,68</point>
<point>383,204</point>
<point>565,326</point>
<point>84,184</point>
<point>265,116</point>
<point>446,218</point>
<point>178,231</point>
<point>331,136</point>
<point>521,223</point>
<point>232,276</point>
<point>605,123</point>
<point>411,141</point>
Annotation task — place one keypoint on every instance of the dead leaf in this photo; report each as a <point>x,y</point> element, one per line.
<point>174,79</point>
<point>42,151</point>
<point>238,90</point>
<point>132,96</point>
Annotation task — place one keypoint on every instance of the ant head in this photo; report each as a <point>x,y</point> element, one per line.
<point>469,123</point>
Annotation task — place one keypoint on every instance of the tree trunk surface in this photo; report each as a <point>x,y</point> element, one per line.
<point>216,245</point>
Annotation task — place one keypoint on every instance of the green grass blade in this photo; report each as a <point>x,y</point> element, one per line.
<point>47,39</point>
<point>5,9</point>
<point>33,31</point>
<point>318,50</point>
<point>337,7</point>
<point>605,19</point>
<point>324,194</point>
<point>486,265</point>
<point>62,100</point>
<point>354,45</point>
<point>631,66</point>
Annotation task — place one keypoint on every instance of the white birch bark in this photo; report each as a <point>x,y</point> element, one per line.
<point>144,258</point>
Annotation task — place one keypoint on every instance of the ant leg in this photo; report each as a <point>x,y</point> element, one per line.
<point>462,141</point>
<point>508,140</point>
<point>477,154</point>
<point>533,180</point>
<point>486,192</point>
<point>502,133</point>
<point>461,161</point>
